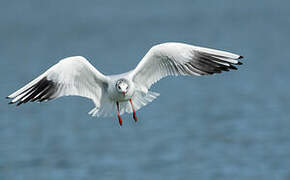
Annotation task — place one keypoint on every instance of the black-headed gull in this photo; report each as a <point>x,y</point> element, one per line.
<point>127,92</point>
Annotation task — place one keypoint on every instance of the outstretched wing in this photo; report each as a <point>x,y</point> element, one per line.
<point>181,59</point>
<point>70,76</point>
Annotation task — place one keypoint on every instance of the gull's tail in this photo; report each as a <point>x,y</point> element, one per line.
<point>109,108</point>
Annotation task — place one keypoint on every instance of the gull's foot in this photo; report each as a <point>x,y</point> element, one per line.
<point>120,119</point>
<point>134,112</point>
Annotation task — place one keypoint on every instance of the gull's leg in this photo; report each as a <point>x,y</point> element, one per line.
<point>134,112</point>
<point>119,116</point>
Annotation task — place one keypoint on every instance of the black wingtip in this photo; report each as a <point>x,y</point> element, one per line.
<point>241,57</point>
<point>239,63</point>
<point>233,67</point>
<point>7,97</point>
<point>11,102</point>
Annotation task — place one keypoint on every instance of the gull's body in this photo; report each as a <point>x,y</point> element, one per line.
<point>129,91</point>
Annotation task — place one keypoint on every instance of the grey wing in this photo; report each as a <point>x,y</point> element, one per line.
<point>71,76</point>
<point>181,59</point>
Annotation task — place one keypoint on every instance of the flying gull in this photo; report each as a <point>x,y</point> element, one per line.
<point>127,92</point>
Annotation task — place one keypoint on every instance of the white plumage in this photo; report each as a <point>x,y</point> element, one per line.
<point>76,76</point>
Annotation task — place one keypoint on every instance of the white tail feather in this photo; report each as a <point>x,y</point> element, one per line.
<point>109,108</point>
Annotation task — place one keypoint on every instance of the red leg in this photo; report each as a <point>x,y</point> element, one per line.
<point>119,116</point>
<point>134,112</point>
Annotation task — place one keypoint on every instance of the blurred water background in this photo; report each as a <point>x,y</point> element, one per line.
<point>229,126</point>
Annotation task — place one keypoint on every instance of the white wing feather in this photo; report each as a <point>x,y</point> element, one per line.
<point>70,76</point>
<point>180,59</point>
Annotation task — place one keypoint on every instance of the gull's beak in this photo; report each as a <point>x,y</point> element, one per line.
<point>124,93</point>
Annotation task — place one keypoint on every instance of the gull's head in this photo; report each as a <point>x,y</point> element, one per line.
<point>122,86</point>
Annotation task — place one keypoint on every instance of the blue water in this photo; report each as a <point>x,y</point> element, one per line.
<point>229,126</point>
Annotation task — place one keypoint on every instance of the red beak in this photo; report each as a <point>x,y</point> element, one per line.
<point>123,92</point>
